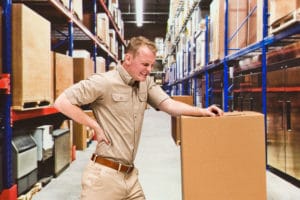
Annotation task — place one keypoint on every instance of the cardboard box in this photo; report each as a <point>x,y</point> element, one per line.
<point>175,121</point>
<point>31,59</point>
<point>77,7</point>
<point>103,27</point>
<point>101,64</point>
<point>63,70</point>
<point>224,157</point>
<point>238,11</point>
<point>83,68</point>
<point>112,41</point>
<point>280,8</point>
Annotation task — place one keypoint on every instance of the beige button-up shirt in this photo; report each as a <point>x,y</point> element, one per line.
<point>118,104</point>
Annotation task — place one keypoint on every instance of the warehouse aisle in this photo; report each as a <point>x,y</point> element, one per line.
<point>158,161</point>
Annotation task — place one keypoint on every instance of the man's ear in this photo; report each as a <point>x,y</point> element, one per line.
<point>127,58</point>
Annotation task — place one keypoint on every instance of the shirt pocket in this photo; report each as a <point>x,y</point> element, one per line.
<point>121,104</point>
<point>118,97</point>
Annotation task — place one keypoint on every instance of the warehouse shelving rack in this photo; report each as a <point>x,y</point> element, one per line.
<point>9,117</point>
<point>260,46</point>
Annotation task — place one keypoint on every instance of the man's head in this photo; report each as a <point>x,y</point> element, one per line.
<point>140,56</point>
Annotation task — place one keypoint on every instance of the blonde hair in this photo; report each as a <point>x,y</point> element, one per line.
<point>136,42</point>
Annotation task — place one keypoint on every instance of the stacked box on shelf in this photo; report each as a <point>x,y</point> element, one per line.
<point>112,41</point>
<point>63,73</point>
<point>223,157</point>
<point>238,11</point>
<point>83,68</point>
<point>100,63</point>
<point>200,46</point>
<point>31,59</point>
<point>103,27</point>
<point>280,8</point>
<point>159,43</point>
<point>77,7</point>
<point>112,5</point>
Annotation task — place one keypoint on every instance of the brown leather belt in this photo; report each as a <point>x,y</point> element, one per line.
<point>112,164</point>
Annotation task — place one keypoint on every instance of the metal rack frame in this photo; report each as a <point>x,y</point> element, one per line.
<point>258,46</point>
<point>10,116</point>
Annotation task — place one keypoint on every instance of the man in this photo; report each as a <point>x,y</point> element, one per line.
<point>118,99</point>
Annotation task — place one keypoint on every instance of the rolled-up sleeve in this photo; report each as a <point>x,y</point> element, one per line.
<point>86,91</point>
<point>156,95</point>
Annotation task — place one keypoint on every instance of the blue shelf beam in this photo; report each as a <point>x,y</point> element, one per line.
<point>225,65</point>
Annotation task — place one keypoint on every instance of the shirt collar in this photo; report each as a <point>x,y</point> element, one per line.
<point>125,76</point>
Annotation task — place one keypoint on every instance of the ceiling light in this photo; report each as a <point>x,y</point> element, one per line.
<point>139,12</point>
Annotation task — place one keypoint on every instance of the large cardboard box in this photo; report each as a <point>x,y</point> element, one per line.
<point>83,68</point>
<point>175,121</point>
<point>223,157</point>
<point>63,73</point>
<point>31,59</point>
<point>238,11</point>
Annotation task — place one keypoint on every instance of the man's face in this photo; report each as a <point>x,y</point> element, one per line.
<point>140,66</point>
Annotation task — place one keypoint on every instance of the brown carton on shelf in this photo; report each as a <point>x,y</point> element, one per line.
<point>280,8</point>
<point>175,121</point>
<point>223,157</point>
<point>83,68</point>
<point>31,59</point>
<point>63,71</point>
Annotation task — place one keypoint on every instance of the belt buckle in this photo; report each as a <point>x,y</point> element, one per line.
<point>95,158</point>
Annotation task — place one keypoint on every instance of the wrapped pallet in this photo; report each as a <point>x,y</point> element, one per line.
<point>238,11</point>
<point>103,27</point>
<point>112,41</point>
<point>31,59</point>
<point>255,21</point>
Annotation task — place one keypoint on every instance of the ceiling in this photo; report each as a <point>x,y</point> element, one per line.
<point>156,14</point>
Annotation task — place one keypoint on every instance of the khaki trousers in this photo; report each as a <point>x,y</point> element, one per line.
<point>103,183</point>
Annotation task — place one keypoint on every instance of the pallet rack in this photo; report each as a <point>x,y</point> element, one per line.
<point>261,46</point>
<point>9,117</point>
<point>281,38</point>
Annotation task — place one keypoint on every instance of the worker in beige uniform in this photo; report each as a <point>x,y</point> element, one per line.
<point>118,99</point>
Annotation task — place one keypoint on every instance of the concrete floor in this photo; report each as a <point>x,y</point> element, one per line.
<point>158,161</point>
